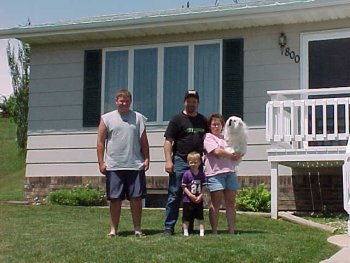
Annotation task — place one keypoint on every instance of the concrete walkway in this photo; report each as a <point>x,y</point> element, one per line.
<point>343,255</point>
<point>343,241</point>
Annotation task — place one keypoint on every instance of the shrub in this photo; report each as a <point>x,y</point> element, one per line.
<point>256,199</point>
<point>78,196</point>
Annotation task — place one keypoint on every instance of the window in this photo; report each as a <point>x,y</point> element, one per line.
<point>116,76</point>
<point>207,76</point>
<point>175,80</point>
<point>145,82</point>
<point>326,62</point>
<point>158,77</point>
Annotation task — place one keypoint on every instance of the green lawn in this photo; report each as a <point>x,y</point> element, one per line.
<point>78,234</point>
<point>12,163</point>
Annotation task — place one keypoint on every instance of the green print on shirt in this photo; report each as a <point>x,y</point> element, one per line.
<point>194,130</point>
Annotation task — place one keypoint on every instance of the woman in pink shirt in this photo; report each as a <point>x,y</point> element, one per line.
<point>221,175</point>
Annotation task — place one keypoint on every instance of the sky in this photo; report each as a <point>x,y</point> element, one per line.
<point>16,12</point>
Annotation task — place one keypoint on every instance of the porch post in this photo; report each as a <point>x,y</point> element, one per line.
<point>274,190</point>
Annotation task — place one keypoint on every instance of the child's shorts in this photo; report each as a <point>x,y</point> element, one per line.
<point>127,184</point>
<point>224,181</point>
<point>192,211</point>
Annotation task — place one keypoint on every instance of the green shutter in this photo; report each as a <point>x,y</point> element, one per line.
<point>232,78</point>
<point>92,88</point>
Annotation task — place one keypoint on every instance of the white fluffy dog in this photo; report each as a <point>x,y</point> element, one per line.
<point>236,135</point>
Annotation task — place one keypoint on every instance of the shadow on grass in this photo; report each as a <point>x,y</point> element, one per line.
<point>151,232</point>
<point>147,232</point>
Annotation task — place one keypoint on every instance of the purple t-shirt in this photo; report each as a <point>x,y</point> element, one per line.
<point>194,183</point>
<point>212,164</point>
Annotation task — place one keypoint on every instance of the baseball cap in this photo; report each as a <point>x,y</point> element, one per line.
<point>192,93</point>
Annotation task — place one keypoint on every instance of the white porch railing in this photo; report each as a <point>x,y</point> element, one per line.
<point>294,118</point>
<point>299,123</point>
<point>346,183</point>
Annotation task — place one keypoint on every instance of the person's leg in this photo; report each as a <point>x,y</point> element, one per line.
<point>136,213</point>
<point>191,226</point>
<point>201,227</point>
<point>114,209</point>
<point>230,204</point>
<point>216,199</point>
<point>115,194</point>
<point>232,184</point>
<point>174,195</point>
<point>136,185</point>
<point>185,227</point>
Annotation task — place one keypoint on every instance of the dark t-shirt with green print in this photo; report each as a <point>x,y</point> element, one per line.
<point>187,133</point>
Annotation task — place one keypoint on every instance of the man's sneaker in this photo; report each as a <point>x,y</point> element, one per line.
<point>168,232</point>
<point>139,234</point>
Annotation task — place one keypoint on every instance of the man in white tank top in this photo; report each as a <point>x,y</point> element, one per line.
<point>123,156</point>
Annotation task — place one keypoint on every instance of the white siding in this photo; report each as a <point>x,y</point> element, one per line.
<point>65,153</point>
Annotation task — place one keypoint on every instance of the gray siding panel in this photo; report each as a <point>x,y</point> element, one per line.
<point>46,56</point>
<point>35,126</point>
<point>55,93</point>
<point>65,151</point>
<point>67,70</point>
<point>56,85</point>
<point>67,169</point>
<point>56,98</point>
<point>55,113</point>
<point>62,141</point>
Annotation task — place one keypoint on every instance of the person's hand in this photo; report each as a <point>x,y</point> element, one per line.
<point>103,168</point>
<point>193,198</point>
<point>199,199</point>
<point>146,164</point>
<point>236,156</point>
<point>169,166</point>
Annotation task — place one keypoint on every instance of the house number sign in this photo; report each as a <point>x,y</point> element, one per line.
<point>291,54</point>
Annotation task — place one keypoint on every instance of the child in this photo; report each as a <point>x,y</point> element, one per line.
<point>193,181</point>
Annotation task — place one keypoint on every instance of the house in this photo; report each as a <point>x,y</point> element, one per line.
<point>281,65</point>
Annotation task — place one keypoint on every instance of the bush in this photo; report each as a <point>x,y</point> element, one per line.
<point>78,196</point>
<point>256,199</point>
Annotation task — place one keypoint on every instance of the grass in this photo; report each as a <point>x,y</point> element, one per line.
<point>78,234</point>
<point>336,220</point>
<point>12,163</point>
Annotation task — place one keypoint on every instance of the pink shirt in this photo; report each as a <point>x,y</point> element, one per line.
<point>212,164</point>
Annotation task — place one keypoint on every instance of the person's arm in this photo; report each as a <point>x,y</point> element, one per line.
<point>200,197</point>
<point>212,147</point>
<point>145,149</point>
<point>189,194</point>
<point>100,147</point>
<point>168,151</point>
<point>221,153</point>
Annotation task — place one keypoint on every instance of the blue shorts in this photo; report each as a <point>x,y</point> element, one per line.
<point>127,184</point>
<point>224,181</point>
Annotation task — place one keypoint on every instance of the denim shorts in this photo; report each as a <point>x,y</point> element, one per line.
<point>224,181</point>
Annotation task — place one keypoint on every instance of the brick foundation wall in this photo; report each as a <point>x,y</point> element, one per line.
<point>306,190</point>
<point>41,186</point>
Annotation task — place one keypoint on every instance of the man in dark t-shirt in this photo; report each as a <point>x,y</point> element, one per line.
<point>184,134</point>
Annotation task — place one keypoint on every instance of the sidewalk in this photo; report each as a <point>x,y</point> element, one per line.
<point>343,255</point>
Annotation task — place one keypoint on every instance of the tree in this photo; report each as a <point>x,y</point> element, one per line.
<point>19,63</point>
<point>6,106</point>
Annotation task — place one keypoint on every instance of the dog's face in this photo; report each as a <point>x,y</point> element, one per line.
<point>235,123</point>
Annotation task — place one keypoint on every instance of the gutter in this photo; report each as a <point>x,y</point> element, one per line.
<point>192,17</point>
